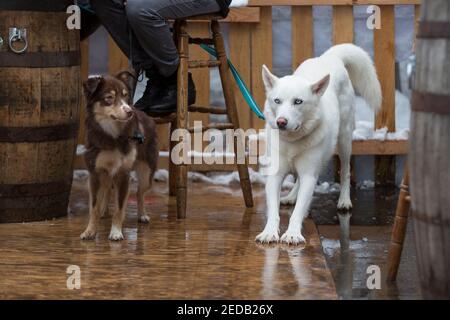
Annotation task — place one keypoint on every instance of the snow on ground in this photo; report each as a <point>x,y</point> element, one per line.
<point>227,179</point>
<point>364,120</point>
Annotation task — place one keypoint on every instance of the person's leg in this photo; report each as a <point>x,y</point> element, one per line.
<point>148,19</point>
<point>112,15</point>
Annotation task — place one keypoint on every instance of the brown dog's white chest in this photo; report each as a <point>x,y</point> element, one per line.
<point>113,160</point>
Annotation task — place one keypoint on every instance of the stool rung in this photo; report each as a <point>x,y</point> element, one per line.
<point>165,119</point>
<point>218,126</point>
<point>202,109</point>
<point>207,41</point>
<point>204,63</point>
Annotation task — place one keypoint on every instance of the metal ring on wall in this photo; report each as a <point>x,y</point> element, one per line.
<point>16,35</point>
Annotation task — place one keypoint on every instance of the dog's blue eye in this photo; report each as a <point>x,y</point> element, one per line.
<point>277,101</point>
<point>298,101</point>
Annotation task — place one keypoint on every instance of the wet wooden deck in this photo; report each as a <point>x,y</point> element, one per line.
<point>210,255</point>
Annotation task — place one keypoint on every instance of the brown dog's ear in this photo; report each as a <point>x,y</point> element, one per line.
<point>127,77</point>
<point>91,85</point>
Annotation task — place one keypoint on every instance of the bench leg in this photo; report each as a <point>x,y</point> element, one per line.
<point>399,228</point>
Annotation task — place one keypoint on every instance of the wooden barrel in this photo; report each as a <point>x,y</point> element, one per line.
<point>430,150</point>
<point>39,110</point>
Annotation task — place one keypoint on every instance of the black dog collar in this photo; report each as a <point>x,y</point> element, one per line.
<point>138,136</point>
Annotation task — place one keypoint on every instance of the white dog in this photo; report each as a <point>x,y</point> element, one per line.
<point>314,112</point>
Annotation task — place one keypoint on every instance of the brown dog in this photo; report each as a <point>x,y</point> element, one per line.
<point>119,139</point>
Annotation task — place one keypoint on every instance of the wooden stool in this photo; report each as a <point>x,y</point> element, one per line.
<point>399,228</point>
<point>178,173</point>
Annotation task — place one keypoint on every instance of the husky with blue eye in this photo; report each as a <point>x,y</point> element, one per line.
<point>314,111</point>
<point>119,139</point>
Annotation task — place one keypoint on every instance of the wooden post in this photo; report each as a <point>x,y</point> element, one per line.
<point>302,34</point>
<point>384,51</point>
<point>261,53</point>
<point>343,24</point>
<point>343,32</point>
<point>240,53</point>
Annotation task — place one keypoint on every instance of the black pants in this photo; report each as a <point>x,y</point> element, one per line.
<point>150,43</point>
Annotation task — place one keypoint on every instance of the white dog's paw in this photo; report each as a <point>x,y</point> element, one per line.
<point>115,234</point>
<point>293,237</point>
<point>288,201</point>
<point>344,204</point>
<point>144,219</point>
<point>88,234</point>
<point>268,236</point>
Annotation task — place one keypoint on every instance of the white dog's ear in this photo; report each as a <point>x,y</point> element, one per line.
<point>269,79</point>
<point>320,86</point>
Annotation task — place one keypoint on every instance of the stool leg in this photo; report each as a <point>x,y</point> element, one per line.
<point>172,166</point>
<point>173,126</point>
<point>182,114</point>
<point>399,228</point>
<point>231,110</point>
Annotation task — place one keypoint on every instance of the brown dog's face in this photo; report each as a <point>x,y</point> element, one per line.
<point>109,98</point>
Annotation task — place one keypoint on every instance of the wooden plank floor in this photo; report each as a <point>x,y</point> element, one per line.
<point>210,255</point>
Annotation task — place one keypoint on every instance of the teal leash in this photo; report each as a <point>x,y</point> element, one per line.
<point>86,7</point>
<point>242,87</point>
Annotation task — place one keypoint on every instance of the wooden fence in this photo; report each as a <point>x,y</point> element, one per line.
<point>250,39</point>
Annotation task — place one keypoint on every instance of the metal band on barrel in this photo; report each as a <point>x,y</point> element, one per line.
<point>39,134</point>
<point>431,102</point>
<point>40,59</point>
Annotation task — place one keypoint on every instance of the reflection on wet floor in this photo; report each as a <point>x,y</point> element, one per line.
<point>372,207</point>
<point>211,254</point>
<point>353,242</point>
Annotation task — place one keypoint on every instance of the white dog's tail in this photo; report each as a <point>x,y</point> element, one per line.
<point>361,70</point>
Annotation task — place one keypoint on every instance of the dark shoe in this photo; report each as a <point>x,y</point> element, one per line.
<point>166,102</point>
<point>153,89</point>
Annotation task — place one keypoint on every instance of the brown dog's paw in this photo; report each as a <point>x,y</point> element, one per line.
<point>144,219</point>
<point>88,235</point>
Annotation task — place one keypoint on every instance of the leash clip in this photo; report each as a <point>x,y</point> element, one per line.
<point>139,137</point>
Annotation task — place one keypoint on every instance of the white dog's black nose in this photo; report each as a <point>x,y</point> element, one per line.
<point>282,123</point>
